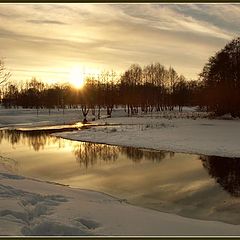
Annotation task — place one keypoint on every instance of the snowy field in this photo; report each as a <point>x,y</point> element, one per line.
<point>187,132</point>
<point>31,207</point>
<point>29,117</point>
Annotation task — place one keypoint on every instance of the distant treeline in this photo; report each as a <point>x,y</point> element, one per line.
<point>147,89</point>
<point>152,88</point>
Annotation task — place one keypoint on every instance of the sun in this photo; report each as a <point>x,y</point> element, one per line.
<point>76,77</point>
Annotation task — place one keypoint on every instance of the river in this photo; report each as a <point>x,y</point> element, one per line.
<point>204,187</point>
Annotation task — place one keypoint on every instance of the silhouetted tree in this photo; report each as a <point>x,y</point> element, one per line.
<point>221,77</point>
<point>4,73</point>
<point>11,96</point>
<point>150,88</point>
<point>180,93</point>
<point>129,88</point>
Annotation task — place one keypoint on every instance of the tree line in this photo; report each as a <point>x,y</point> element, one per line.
<point>150,88</point>
<point>147,89</point>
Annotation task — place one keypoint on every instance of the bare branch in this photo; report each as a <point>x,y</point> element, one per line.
<point>4,73</point>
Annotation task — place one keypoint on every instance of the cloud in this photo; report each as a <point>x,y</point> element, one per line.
<point>39,21</point>
<point>164,17</point>
<point>114,35</point>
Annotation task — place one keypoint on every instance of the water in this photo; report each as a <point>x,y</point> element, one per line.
<point>205,187</point>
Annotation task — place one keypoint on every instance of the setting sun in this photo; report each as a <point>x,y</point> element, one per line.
<point>76,78</point>
<point>120,119</point>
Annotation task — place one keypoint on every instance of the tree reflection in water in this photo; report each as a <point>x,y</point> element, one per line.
<point>137,155</point>
<point>226,172</point>
<point>35,139</point>
<point>87,154</point>
<point>1,136</point>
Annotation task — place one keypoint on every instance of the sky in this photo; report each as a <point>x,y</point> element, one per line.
<point>53,42</point>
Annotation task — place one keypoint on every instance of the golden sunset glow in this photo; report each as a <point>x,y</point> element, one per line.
<point>49,46</point>
<point>76,77</point>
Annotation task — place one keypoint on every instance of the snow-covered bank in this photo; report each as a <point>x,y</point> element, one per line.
<point>200,136</point>
<point>189,131</point>
<point>31,207</point>
<point>29,117</point>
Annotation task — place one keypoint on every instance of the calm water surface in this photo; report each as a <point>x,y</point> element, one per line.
<point>204,187</point>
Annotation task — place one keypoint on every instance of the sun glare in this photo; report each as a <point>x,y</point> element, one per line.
<point>76,78</point>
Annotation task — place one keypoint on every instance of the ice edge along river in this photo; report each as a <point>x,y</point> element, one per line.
<point>31,207</point>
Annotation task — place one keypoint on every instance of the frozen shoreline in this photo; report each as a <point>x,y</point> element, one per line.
<point>200,136</point>
<point>29,118</point>
<point>32,207</point>
<point>187,132</point>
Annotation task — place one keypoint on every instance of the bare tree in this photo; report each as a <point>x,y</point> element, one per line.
<point>4,74</point>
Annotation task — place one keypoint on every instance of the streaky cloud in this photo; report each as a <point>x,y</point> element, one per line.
<point>113,36</point>
<point>39,21</point>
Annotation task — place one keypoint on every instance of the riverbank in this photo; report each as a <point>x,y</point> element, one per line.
<point>32,207</point>
<point>30,117</point>
<point>187,135</point>
<point>188,132</point>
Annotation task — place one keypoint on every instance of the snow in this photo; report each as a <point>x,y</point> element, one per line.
<point>30,118</point>
<point>186,135</point>
<point>32,207</point>
<point>189,131</point>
